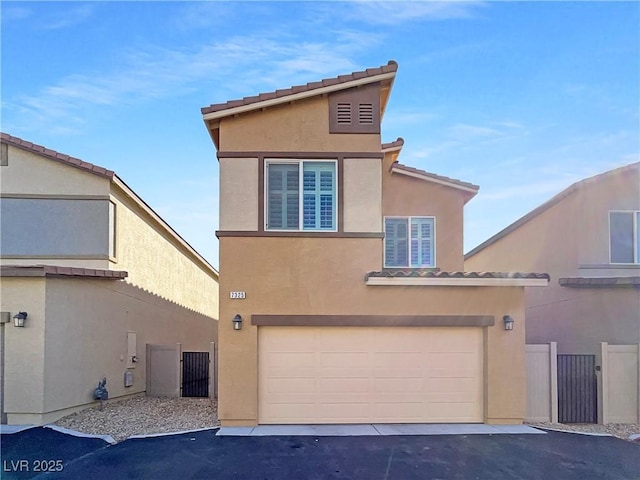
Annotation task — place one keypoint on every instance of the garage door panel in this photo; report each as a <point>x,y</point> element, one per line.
<point>398,360</point>
<point>352,359</point>
<point>367,375</point>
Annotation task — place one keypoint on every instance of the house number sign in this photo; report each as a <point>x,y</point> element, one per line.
<point>237,295</point>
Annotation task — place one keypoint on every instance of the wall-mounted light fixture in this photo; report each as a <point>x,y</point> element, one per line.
<point>508,322</point>
<point>237,322</point>
<point>19,318</point>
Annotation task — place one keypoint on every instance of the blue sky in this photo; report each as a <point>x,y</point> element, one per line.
<point>520,98</point>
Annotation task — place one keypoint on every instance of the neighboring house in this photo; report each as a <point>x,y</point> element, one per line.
<point>344,268</point>
<point>100,275</point>
<point>588,239</point>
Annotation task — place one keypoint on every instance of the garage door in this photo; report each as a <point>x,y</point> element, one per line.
<point>370,374</point>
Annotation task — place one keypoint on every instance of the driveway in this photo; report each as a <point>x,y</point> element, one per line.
<point>202,455</point>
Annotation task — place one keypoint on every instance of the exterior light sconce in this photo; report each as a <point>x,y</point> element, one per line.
<point>19,318</point>
<point>508,322</point>
<point>237,322</point>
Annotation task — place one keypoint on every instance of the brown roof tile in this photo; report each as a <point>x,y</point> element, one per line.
<point>53,155</point>
<point>392,66</point>
<point>399,142</point>
<point>59,271</point>
<point>599,282</point>
<point>441,178</point>
<point>425,273</point>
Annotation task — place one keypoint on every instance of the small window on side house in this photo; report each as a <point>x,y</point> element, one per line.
<point>624,237</point>
<point>409,242</point>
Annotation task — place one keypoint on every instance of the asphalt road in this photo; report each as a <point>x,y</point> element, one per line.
<point>202,455</point>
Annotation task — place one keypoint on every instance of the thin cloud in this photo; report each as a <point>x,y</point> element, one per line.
<point>66,18</point>
<point>394,13</point>
<point>14,14</point>
<point>240,66</point>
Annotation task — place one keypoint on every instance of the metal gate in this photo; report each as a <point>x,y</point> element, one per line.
<point>195,374</point>
<point>577,389</point>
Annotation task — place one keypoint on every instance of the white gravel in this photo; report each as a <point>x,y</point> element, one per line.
<point>620,430</point>
<point>144,416</point>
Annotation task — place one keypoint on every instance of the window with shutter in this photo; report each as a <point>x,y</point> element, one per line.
<point>409,242</point>
<point>306,205</point>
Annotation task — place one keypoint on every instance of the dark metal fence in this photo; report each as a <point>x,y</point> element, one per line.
<point>195,374</point>
<point>577,389</point>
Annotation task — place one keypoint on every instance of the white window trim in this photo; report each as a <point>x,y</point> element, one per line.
<point>297,161</point>
<point>409,217</point>
<point>636,252</point>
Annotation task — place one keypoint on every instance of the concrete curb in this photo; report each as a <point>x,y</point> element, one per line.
<point>106,438</point>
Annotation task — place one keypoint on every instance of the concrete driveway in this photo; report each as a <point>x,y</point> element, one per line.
<point>203,455</point>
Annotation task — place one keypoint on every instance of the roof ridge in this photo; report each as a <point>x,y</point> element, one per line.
<point>55,155</point>
<point>391,66</point>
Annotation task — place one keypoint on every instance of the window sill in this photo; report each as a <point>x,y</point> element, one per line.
<point>293,234</point>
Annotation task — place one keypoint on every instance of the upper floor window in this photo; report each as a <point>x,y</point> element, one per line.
<point>301,195</point>
<point>409,242</point>
<point>624,236</point>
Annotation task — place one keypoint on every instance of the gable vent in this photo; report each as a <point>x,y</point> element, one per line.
<point>365,114</point>
<point>344,113</point>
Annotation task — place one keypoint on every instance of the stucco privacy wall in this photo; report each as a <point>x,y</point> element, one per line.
<point>158,264</point>
<point>30,174</point>
<point>283,273</point>
<point>239,194</point>
<point>85,338</point>
<point>301,127</point>
<point>24,347</point>
<point>362,195</point>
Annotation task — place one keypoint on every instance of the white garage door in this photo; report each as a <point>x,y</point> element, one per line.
<point>370,374</point>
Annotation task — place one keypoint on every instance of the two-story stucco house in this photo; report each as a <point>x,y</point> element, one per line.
<point>345,269</point>
<point>100,276</point>
<point>587,238</point>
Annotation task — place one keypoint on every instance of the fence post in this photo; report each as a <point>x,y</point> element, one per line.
<point>553,367</point>
<point>179,369</point>
<point>212,370</point>
<point>638,358</point>
<point>604,380</point>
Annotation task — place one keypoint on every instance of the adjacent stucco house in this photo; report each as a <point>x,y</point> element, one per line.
<point>345,268</point>
<point>587,238</point>
<point>100,276</point>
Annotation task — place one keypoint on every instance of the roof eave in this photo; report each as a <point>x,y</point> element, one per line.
<point>388,76</point>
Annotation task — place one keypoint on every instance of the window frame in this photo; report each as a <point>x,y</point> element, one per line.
<point>300,162</point>
<point>408,219</point>
<point>635,233</point>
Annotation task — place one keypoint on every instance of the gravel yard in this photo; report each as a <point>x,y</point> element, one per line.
<point>144,416</point>
<point>620,430</point>
<point>148,415</point>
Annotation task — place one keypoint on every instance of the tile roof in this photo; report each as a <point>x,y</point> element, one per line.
<point>57,271</point>
<point>422,273</point>
<point>53,155</point>
<point>392,66</point>
<point>393,145</point>
<point>627,170</point>
<point>433,176</point>
<point>599,282</point>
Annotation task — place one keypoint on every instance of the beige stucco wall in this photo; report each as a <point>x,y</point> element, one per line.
<point>614,192</point>
<point>362,195</point>
<point>53,367</point>
<point>326,276</point>
<point>239,194</point>
<point>302,126</point>
<point>408,196</point>
<point>24,347</point>
<point>572,233</point>
<point>157,264</point>
<point>28,173</point>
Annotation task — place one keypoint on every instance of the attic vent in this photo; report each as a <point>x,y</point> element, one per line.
<point>365,114</point>
<point>344,113</point>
